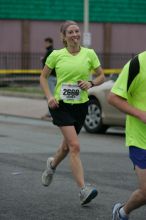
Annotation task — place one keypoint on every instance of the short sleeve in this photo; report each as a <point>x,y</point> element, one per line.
<point>51,60</point>
<point>120,86</point>
<point>95,63</point>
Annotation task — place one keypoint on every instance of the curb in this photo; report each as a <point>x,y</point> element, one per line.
<point>23,95</point>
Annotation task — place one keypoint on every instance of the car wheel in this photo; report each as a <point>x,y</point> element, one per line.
<point>93,121</point>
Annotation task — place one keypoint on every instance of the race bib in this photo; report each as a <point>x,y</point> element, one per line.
<point>70,91</point>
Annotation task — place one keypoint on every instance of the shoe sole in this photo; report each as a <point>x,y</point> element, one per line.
<point>92,195</point>
<point>48,165</point>
<point>43,180</point>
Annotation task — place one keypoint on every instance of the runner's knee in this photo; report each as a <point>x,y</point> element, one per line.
<point>74,147</point>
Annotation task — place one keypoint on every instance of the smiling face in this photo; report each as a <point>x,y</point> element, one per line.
<point>72,35</point>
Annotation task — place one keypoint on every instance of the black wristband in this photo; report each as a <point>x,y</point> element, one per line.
<point>92,84</point>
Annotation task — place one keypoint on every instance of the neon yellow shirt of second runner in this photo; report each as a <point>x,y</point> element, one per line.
<point>136,96</point>
<point>70,69</point>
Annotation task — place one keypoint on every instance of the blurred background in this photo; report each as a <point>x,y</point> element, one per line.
<point>116,30</point>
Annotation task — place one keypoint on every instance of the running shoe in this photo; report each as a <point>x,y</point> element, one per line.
<point>116,214</point>
<point>47,175</point>
<point>87,194</point>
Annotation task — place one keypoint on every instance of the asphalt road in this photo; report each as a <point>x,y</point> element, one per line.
<point>25,145</point>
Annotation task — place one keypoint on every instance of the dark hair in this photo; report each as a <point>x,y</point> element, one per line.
<point>48,39</point>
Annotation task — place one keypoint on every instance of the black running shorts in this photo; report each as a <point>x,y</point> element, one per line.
<point>70,114</point>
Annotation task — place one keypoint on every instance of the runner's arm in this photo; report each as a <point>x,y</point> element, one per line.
<point>124,106</point>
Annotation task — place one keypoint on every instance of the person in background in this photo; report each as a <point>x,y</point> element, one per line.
<point>69,104</point>
<point>52,79</point>
<point>129,95</point>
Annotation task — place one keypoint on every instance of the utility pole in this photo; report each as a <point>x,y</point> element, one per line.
<point>86,34</point>
<point>25,44</point>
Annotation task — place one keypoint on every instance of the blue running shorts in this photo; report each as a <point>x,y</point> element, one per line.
<point>138,156</point>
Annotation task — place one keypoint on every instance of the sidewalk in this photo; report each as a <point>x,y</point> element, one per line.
<point>23,106</point>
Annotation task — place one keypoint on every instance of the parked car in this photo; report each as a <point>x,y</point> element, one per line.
<point>101,115</point>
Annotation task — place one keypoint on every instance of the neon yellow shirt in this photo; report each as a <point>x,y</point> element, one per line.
<point>69,70</point>
<point>131,85</point>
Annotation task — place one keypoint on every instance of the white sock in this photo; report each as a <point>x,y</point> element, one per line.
<point>122,212</point>
<point>83,187</point>
<point>51,166</point>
